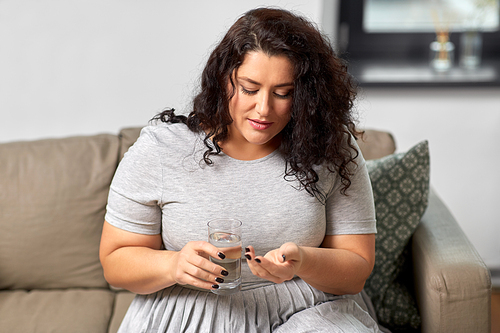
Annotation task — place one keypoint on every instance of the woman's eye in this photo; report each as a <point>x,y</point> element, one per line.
<point>253,92</point>
<point>248,92</point>
<point>287,95</point>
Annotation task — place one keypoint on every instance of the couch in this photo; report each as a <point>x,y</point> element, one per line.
<point>52,203</point>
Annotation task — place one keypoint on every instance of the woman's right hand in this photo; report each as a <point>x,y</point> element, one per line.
<point>193,267</point>
<point>138,263</point>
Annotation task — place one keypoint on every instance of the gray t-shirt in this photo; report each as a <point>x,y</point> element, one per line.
<point>162,185</point>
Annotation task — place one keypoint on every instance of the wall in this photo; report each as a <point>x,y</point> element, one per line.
<point>462,126</point>
<point>80,67</point>
<point>70,67</point>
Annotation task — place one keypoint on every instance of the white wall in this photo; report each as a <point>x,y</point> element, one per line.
<point>462,126</point>
<point>86,66</point>
<point>70,67</point>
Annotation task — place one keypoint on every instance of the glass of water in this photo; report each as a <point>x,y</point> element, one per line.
<point>225,234</point>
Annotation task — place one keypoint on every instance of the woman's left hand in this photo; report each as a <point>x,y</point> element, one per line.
<point>277,265</point>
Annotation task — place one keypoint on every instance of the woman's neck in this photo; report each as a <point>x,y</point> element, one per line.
<point>246,151</point>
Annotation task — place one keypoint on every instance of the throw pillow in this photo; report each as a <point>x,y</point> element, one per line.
<point>400,185</point>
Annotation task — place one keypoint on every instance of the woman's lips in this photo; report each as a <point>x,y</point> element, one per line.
<point>260,124</point>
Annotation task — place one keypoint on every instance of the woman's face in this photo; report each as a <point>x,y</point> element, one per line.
<point>260,107</point>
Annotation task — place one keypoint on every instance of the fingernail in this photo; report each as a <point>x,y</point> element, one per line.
<point>221,255</point>
<point>225,273</point>
<point>218,279</point>
<point>247,249</point>
<point>248,257</point>
<point>284,258</point>
<point>215,286</point>
<point>257,260</point>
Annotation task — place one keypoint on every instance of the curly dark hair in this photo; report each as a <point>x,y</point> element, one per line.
<point>322,124</point>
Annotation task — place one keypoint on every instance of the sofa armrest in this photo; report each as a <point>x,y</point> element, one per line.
<point>452,283</point>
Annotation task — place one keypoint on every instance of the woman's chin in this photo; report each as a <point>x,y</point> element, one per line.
<point>260,140</point>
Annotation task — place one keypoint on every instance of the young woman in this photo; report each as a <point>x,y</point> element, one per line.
<point>270,141</point>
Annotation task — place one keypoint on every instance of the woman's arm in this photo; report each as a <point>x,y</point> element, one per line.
<point>340,266</point>
<point>136,262</point>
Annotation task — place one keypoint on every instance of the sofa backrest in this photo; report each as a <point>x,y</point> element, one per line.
<point>53,195</point>
<point>373,143</point>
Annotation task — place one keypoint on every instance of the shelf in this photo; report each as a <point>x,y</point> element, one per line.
<point>383,73</point>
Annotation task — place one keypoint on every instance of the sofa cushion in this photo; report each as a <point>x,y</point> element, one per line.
<point>55,311</point>
<point>52,206</point>
<point>122,303</point>
<point>400,185</point>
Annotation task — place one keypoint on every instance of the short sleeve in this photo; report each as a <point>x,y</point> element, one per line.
<point>135,190</point>
<point>353,213</point>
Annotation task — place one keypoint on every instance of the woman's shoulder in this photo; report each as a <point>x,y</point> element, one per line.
<point>164,139</point>
<point>167,134</point>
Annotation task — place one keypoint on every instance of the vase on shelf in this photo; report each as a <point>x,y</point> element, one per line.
<point>442,53</point>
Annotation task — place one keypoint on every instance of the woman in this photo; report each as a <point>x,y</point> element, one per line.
<point>270,142</point>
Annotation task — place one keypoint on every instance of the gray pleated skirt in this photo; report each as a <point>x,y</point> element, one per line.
<point>292,306</point>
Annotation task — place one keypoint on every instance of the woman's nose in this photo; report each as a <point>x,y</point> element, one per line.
<point>263,106</point>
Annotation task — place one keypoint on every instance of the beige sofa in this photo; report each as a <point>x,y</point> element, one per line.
<point>52,202</point>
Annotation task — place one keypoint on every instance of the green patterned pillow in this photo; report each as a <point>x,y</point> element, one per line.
<point>400,187</point>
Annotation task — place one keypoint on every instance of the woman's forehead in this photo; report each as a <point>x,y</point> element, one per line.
<point>257,66</point>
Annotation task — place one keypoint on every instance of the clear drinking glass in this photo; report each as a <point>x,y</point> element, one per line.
<point>225,234</point>
<point>471,44</point>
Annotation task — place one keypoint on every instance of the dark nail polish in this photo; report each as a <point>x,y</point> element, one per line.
<point>215,286</point>
<point>247,249</point>
<point>284,258</point>
<point>257,260</point>
<point>218,279</point>
<point>248,257</point>
<point>221,255</point>
<point>225,273</point>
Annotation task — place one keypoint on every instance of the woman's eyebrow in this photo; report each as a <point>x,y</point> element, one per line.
<point>249,80</point>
